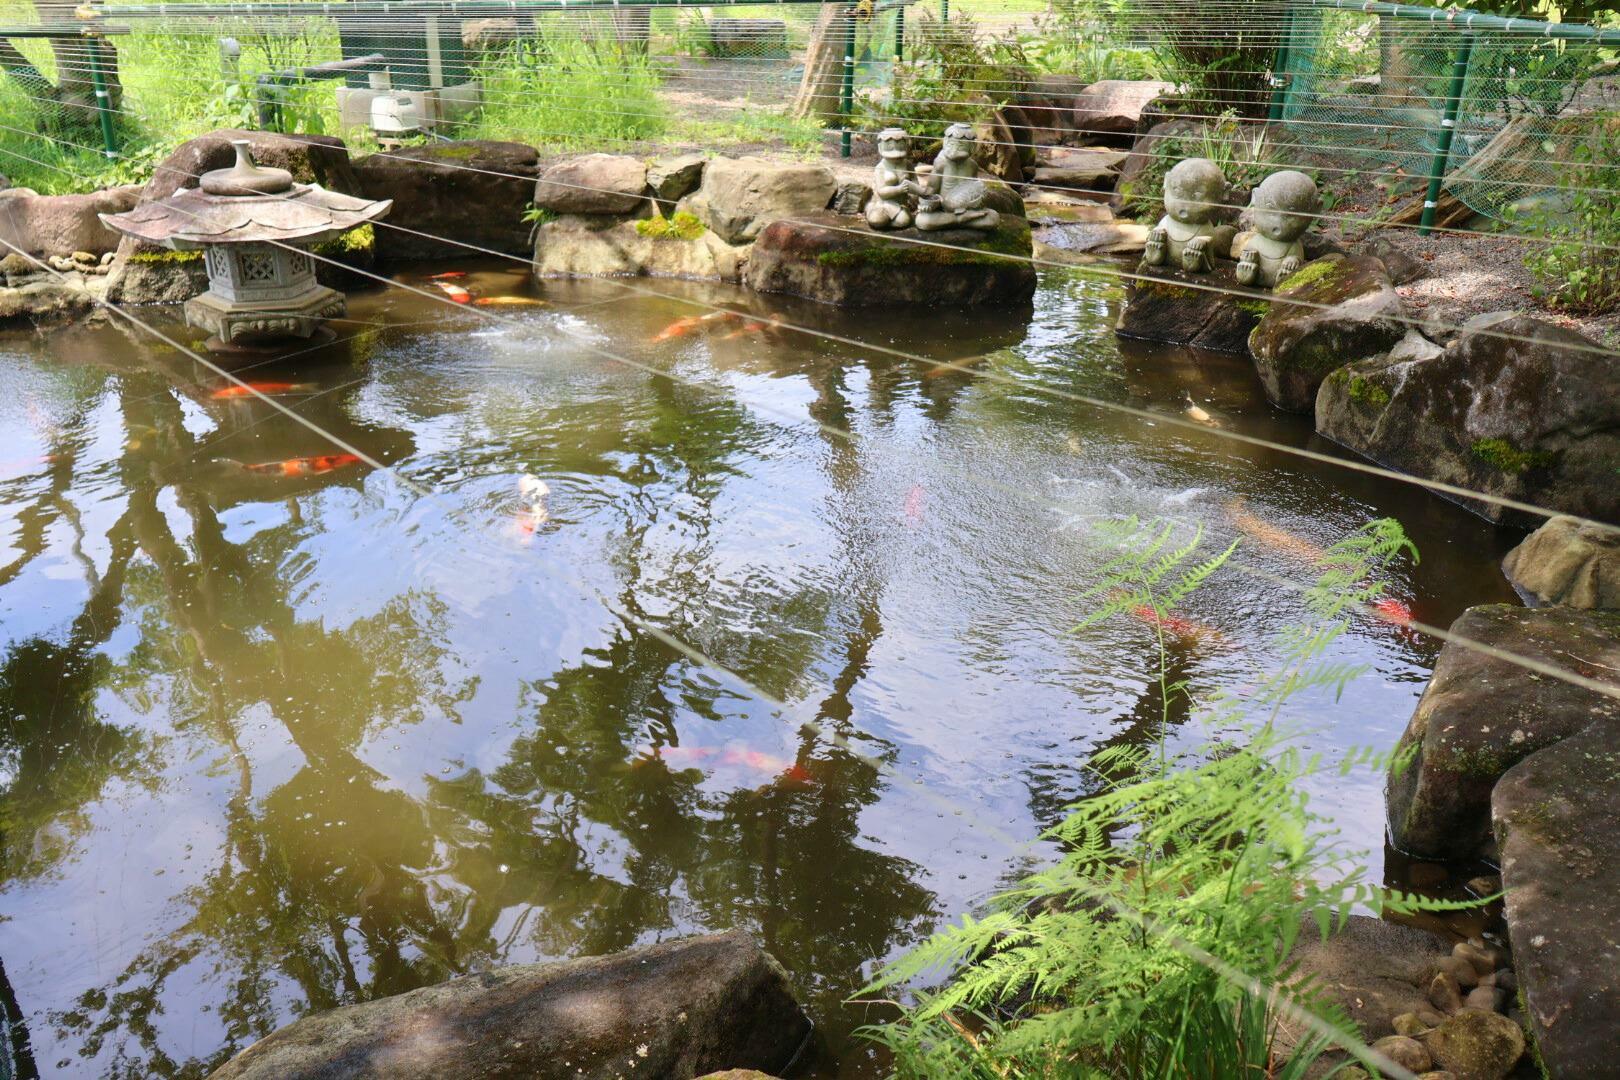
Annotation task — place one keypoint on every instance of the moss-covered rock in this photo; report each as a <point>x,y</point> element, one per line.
<point>598,245</point>
<point>1476,1045</point>
<point>1514,407</point>
<point>832,260</point>
<point>452,200</point>
<point>1207,311</point>
<point>1570,562</point>
<point>1480,716</point>
<point>1331,312</point>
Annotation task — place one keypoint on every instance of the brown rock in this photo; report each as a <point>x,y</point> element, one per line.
<point>1409,1024</point>
<point>1461,971</point>
<point>593,184</point>
<point>1444,993</point>
<point>469,193</point>
<point>1487,998</point>
<point>1408,1053</point>
<point>1482,961</point>
<point>1113,107</point>
<point>1209,311</point>
<point>1567,561</point>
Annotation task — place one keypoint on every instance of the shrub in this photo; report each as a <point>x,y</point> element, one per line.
<point>953,74</point>
<point>1582,260</point>
<point>1154,948</point>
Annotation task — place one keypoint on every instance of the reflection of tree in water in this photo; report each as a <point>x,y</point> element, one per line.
<point>338,883</point>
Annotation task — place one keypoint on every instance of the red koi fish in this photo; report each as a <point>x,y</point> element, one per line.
<point>1173,625</point>
<point>449,275</point>
<point>268,389</point>
<point>914,504</point>
<point>304,466</point>
<point>682,327</point>
<point>688,757</point>
<point>1393,611</point>
<point>454,292</point>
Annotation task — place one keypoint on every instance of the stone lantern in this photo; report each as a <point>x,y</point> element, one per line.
<point>251,223</point>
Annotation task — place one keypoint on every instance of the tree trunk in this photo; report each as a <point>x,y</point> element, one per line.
<point>632,28</point>
<point>821,91</point>
<point>71,101</point>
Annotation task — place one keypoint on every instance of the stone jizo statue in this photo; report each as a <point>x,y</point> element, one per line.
<point>1281,209</point>
<point>953,195</point>
<point>893,186</point>
<point>1187,235</point>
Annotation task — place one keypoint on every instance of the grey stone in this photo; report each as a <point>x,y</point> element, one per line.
<point>593,184</point>
<point>1476,1045</point>
<point>740,196</point>
<point>472,194</point>
<point>1515,407</point>
<point>1047,102</point>
<point>1209,311</point>
<point>673,177</point>
<point>1568,562</point>
<point>1480,715</point>
<point>48,300</point>
<point>1401,267</point>
<point>1332,312</point>
<point>1554,814</point>
<point>590,245</point>
<point>681,1008</point>
<point>1113,107</point>
<point>1444,994</point>
<point>1409,1024</point>
<point>1371,969</point>
<point>829,259</point>
<point>1413,348</point>
<point>1406,1052</point>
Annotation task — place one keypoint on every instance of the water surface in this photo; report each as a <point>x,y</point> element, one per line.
<point>274,743</point>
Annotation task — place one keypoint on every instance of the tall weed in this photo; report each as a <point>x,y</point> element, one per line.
<point>565,90</point>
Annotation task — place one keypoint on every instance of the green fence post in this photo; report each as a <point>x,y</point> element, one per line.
<point>899,34</point>
<point>1448,127</point>
<point>944,10</point>
<point>1279,71</point>
<point>98,81</point>
<point>846,93</point>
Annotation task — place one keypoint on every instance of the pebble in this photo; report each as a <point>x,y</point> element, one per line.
<point>1409,1024</point>
<point>1429,1017</point>
<point>84,257</point>
<point>1444,993</point>
<point>1409,1054</point>
<point>1484,998</point>
<point>106,260</point>
<point>1483,962</point>
<point>1460,969</point>
<point>1485,885</point>
<point>1505,979</point>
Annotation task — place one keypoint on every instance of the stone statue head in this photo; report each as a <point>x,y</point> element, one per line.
<point>959,140</point>
<point>1284,205</point>
<point>1193,190</point>
<point>893,144</point>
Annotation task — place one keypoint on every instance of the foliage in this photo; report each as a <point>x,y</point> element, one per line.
<point>1218,56</point>
<point>1240,150</point>
<point>1154,948</point>
<point>1581,261</point>
<point>954,73</point>
<point>566,90</point>
<point>1073,38</point>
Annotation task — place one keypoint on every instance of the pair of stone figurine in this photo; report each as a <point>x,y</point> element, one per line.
<point>948,194</point>
<point>1280,210</point>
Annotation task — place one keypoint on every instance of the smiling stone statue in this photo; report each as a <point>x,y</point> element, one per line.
<point>1281,209</point>
<point>893,186</point>
<point>953,193</point>
<point>1188,235</point>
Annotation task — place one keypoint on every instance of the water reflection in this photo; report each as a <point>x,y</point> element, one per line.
<point>274,743</point>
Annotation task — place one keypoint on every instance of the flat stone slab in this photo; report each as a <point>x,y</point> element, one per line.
<point>1555,817</point>
<point>835,260</point>
<point>1481,715</point>
<point>681,1008</point>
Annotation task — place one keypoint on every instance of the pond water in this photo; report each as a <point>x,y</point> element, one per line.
<point>276,740</point>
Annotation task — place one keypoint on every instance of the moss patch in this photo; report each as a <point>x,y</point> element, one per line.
<point>1318,272</point>
<point>170,257</point>
<point>457,151</point>
<point>361,241</point>
<point>1254,307</point>
<point>680,226</point>
<point>1503,456</point>
<point>1367,392</point>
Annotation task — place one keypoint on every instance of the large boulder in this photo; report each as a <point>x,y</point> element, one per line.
<point>1568,561</point>
<point>1481,714</point>
<point>740,196</point>
<point>473,192</point>
<point>1555,815</point>
<point>1047,105</point>
<point>586,245</point>
<point>1477,1045</point>
<point>833,260</point>
<point>1331,312</point>
<point>46,225</point>
<point>1208,311</point>
<point>147,274</point>
<point>1514,407</point>
<point>672,177</point>
<point>1112,108</point>
<point>678,1009</point>
<point>593,184</point>
<point>49,299</point>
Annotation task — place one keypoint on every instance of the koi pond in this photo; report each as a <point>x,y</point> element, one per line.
<point>593,661</point>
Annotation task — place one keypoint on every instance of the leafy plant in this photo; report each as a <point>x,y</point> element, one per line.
<point>954,74</point>
<point>566,90</point>
<point>1156,946</point>
<point>1581,264</point>
<point>1240,149</point>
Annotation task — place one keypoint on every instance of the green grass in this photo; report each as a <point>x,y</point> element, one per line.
<point>565,92</point>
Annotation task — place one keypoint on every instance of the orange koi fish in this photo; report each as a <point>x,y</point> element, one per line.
<point>1274,536</point>
<point>508,301</point>
<point>454,292</point>
<point>268,389</point>
<point>1174,625</point>
<point>304,466</point>
<point>682,327</point>
<point>534,513</point>
<point>688,757</point>
<point>449,275</point>
<point>745,330</point>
